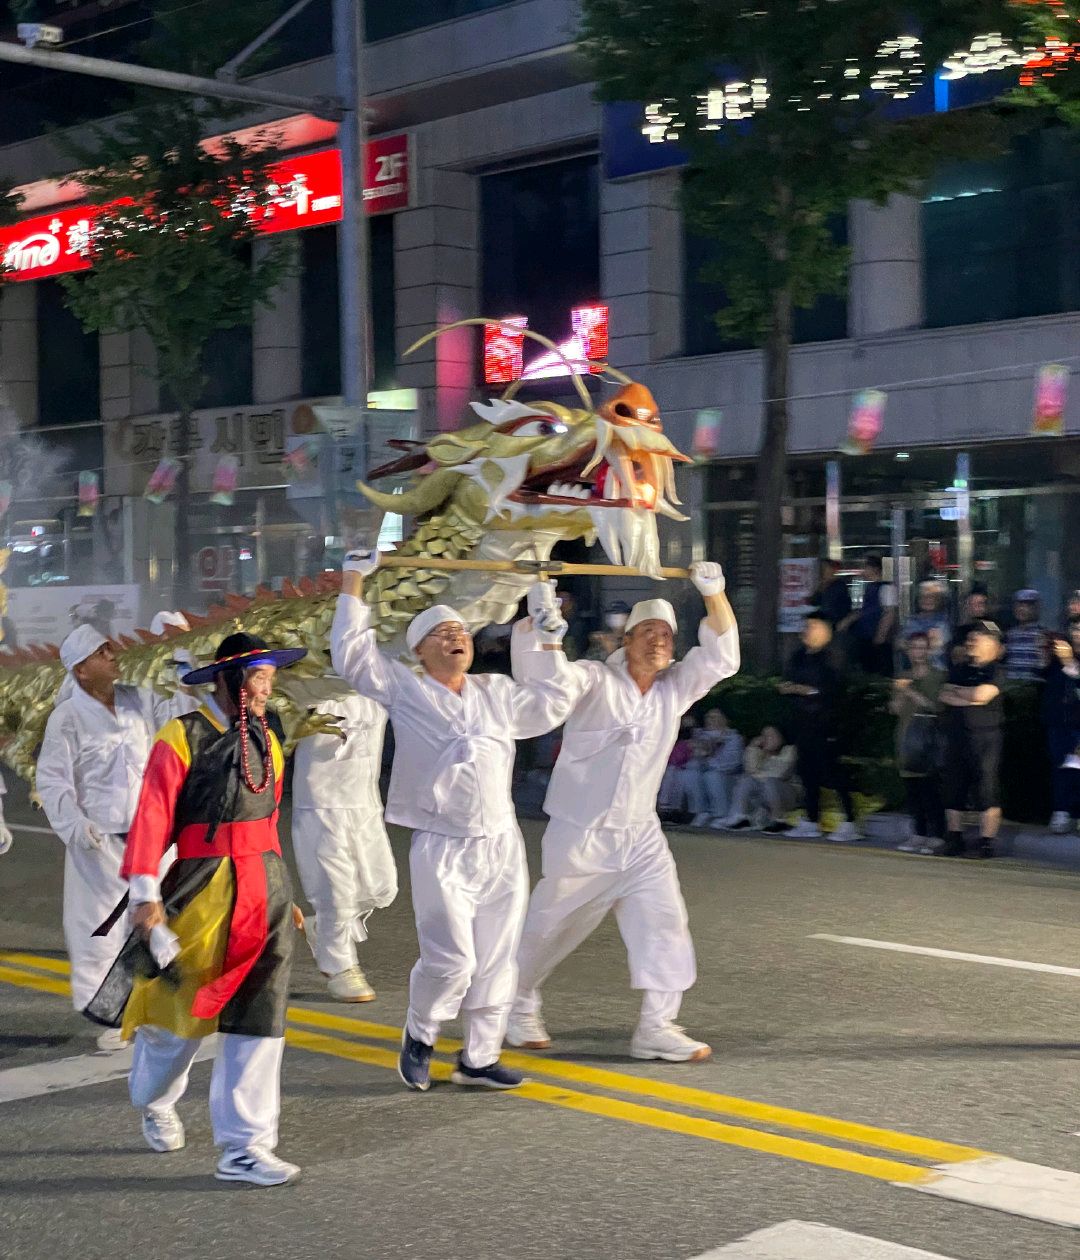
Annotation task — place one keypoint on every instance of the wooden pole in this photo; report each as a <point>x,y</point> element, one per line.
<point>554,568</point>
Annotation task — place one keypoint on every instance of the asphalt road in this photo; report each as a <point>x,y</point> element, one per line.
<point>590,1164</point>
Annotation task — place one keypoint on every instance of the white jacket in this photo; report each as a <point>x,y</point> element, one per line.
<point>454,754</point>
<point>331,773</point>
<point>92,760</point>
<point>616,743</point>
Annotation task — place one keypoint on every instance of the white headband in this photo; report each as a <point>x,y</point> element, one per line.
<point>423,623</point>
<point>651,610</point>
<point>82,642</point>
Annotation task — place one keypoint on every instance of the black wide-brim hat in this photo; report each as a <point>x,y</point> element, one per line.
<point>243,651</point>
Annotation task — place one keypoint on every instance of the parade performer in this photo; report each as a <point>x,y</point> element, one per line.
<point>213,787</point>
<point>339,839</point>
<point>6,839</point>
<point>454,754</point>
<point>603,848</point>
<point>89,773</point>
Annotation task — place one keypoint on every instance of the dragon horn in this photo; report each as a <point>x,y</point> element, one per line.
<point>428,493</point>
<point>481,321</point>
<point>606,370</point>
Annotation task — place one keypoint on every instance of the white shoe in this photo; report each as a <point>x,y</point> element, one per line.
<point>804,829</point>
<point>1060,823</point>
<point>255,1166</point>
<point>932,847</point>
<point>913,844</point>
<point>112,1039</point>
<point>527,1032</point>
<point>845,833</point>
<point>700,820</point>
<point>667,1042</point>
<point>351,985</point>
<point>163,1129</point>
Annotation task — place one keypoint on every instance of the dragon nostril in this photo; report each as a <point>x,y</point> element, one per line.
<point>621,409</point>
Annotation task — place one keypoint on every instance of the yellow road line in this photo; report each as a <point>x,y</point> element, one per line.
<point>650,1117</point>
<point>45,984</point>
<point>59,966</point>
<point>682,1095</point>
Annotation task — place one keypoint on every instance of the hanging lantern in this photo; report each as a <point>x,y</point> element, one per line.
<point>89,493</point>
<point>162,480</point>
<point>707,433</point>
<point>1051,393</point>
<point>226,475</point>
<point>865,422</point>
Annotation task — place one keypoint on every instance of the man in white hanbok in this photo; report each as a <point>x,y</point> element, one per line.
<point>342,851</point>
<point>89,772</point>
<point>453,759</point>
<point>603,848</point>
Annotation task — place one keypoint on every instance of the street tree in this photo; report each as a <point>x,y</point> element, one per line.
<point>171,240</point>
<point>788,110</point>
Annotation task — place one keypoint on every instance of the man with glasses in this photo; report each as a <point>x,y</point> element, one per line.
<point>454,738</point>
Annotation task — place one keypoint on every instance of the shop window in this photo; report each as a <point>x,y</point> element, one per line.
<point>1001,238</point>
<point>384,19</point>
<point>69,388</point>
<point>540,243</point>
<point>320,324</point>
<point>703,297</point>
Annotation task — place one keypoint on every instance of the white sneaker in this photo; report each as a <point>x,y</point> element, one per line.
<point>350,986</point>
<point>256,1166</point>
<point>804,829</point>
<point>1060,822</point>
<point>112,1039</point>
<point>667,1042</point>
<point>913,844</point>
<point>700,820</point>
<point>163,1129</point>
<point>845,833</point>
<point>527,1032</point>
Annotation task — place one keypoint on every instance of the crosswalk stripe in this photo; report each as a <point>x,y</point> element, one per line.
<point>76,1072</point>
<point>805,1240</point>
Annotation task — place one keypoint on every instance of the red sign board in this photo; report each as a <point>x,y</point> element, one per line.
<point>307,192</point>
<point>386,174</point>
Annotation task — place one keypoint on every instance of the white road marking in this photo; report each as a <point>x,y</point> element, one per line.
<point>1009,1185</point>
<point>56,1075</point>
<point>988,960</point>
<point>804,1240</point>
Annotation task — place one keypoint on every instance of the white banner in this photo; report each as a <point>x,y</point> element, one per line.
<point>47,614</point>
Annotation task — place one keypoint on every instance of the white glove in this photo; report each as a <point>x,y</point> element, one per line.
<point>364,562</point>
<point>89,837</point>
<point>708,577</point>
<point>6,838</point>
<point>543,606</point>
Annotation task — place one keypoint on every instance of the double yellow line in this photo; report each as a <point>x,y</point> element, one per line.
<point>672,1108</point>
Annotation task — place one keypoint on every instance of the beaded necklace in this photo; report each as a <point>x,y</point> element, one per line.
<point>245,755</point>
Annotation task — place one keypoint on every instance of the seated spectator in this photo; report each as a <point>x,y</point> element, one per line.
<point>1025,655</point>
<point>873,628</point>
<point>713,769</point>
<point>976,609</point>
<point>932,619</point>
<point>673,786</point>
<point>1061,717</point>
<point>973,746</point>
<point>768,790</point>
<point>916,702</point>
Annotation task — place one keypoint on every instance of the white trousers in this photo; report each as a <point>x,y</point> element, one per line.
<point>469,898</point>
<point>347,870</point>
<point>245,1086</point>
<point>588,873</point>
<point>92,887</point>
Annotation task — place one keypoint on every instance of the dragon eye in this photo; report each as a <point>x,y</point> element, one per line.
<point>540,428</point>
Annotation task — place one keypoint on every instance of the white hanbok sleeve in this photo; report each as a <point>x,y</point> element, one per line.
<point>545,686</point>
<point>716,657</point>
<point>355,654</point>
<point>162,708</point>
<point>55,778</point>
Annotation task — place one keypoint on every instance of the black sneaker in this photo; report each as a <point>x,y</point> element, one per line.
<point>983,850</point>
<point>954,846</point>
<point>414,1062</point>
<point>776,828</point>
<point>494,1076</point>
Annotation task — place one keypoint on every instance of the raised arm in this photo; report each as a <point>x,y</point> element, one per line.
<point>717,655</point>
<point>354,650</point>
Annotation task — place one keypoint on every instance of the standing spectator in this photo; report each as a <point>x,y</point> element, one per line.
<point>916,702</point>
<point>712,772</point>
<point>813,684</point>
<point>1061,717</point>
<point>767,791</point>
<point>603,642</point>
<point>1025,644</point>
<point>973,728</point>
<point>873,628</point>
<point>832,599</point>
<point>1072,609</point>
<point>975,611</point>
<point>932,619</point>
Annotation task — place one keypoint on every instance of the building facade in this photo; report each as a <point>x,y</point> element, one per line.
<point>516,208</point>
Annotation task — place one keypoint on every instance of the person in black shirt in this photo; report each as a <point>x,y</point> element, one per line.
<point>832,599</point>
<point>976,610</point>
<point>972,696</point>
<point>812,682</point>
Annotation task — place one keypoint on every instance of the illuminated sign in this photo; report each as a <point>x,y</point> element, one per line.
<point>504,348</point>
<point>306,192</point>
